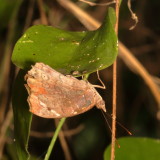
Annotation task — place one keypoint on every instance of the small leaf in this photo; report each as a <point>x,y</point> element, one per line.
<point>66,51</point>
<point>135,149</point>
<point>22,117</point>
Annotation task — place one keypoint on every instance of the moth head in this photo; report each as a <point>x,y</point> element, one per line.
<point>101,105</point>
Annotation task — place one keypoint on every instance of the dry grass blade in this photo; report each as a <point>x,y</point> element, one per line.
<point>97,4</point>
<point>4,128</point>
<point>29,14</point>
<point>42,12</point>
<point>67,133</point>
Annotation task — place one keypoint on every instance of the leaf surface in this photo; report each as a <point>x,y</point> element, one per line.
<point>22,117</point>
<point>135,149</point>
<point>66,51</point>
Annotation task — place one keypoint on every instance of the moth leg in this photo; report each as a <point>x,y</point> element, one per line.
<point>98,86</point>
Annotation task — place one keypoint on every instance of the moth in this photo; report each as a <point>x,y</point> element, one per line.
<point>54,95</point>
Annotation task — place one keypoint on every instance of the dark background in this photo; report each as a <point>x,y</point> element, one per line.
<point>87,135</point>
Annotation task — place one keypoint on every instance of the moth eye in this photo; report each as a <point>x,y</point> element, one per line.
<point>44,77</point>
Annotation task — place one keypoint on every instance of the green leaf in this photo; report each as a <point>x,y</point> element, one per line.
<point>66,51</point>
<point>22,117</point>
<point>135,149</point>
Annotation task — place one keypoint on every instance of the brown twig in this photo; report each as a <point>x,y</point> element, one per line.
<point>114,99</point>
<point>98,4</point>
<point>67,133</point>
<point>114,105</point>
<point>42,12</point>
<point>29,14</point>
<point>4,128</point>
<point>5,65</point>
<point>81,15</point>
<point>125,54</point>
<point>5,69</point>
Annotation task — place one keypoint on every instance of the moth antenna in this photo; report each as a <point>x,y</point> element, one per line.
<point>106,121</point>
<point>98,86</point>
<point>109,127</point>
<point>106,113</point>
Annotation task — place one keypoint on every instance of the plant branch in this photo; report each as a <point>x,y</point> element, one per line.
<point>114,99</point>
<point>29,14</point>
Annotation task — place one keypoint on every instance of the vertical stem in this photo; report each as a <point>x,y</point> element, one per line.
<point>54,138</point>
<point>114,101</point>
<point>63,142</point>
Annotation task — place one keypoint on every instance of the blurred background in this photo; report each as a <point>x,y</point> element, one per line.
<point>86,135</point>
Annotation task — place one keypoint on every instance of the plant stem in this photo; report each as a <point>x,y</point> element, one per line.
<point>54,138</point>
<point>114,101</point>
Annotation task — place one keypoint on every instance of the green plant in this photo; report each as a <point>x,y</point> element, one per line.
<point>85,52</point>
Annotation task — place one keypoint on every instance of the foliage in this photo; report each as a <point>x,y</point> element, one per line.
<point>59,49</point>
<point>132,148</point>
<point>66,51</point>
